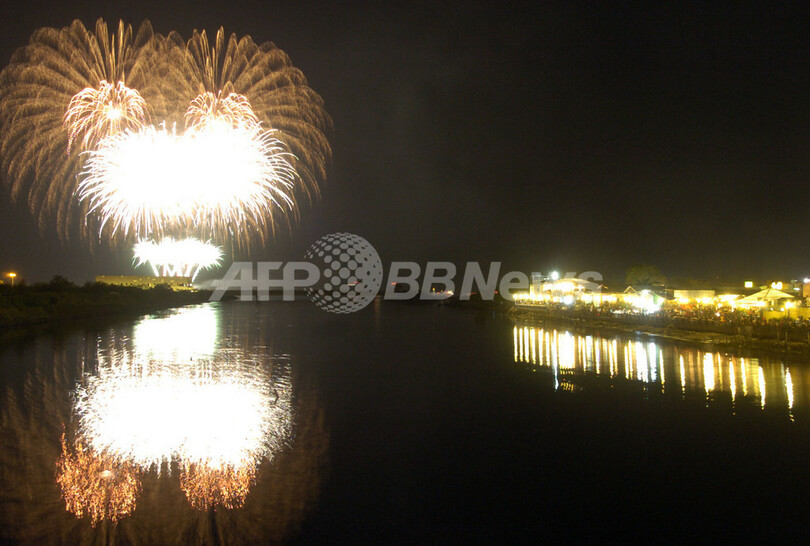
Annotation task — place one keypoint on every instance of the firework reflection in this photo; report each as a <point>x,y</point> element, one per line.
<point>169,401</point>
<point>96,485</point>
<point>86,491</point>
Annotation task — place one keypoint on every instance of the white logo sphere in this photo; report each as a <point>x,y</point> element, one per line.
<point>351,272</point>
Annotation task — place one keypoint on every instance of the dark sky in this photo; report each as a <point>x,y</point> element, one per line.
<point>571,136</point>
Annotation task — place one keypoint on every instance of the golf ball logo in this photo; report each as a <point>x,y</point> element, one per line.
<point>351,272</point>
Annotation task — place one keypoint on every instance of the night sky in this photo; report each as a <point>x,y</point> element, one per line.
<point>569,136</point>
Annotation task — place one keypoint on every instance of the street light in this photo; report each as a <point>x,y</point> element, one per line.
<point>12,276</point>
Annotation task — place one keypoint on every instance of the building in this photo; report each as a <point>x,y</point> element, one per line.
<point>146,281</point>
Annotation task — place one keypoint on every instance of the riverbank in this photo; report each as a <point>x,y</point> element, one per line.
<point>720,336</point>
<point>60,301</point>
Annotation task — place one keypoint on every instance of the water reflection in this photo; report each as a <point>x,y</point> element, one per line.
<point>173,416</point>
<point>669,368</point>
<point>95,484</point>
<point>172,395</point>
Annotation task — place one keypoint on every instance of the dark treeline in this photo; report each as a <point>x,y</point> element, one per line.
<point>60,299</point>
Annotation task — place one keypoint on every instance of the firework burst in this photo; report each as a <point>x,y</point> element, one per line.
<point>76,119</point>
<point>218,179</point>
<point>234,110</point>
<point>94,114</point>
<point>183,258</point>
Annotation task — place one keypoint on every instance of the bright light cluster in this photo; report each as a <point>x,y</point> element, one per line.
<point>215,411</point>
<point>96,485</point>
<point>172,394</point>
<point>233,109</point>
<point>97,113</point>
<point>166,412</point>
<point>177,258</point>
<point>217,408</point>
<point>157,135</point>
<point>217,176</point>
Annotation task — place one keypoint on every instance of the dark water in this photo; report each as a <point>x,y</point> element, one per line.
<point>257,423</point>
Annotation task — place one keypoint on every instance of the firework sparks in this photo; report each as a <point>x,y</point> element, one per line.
<point>207,486</point>
<point>96,485</point>
<point>154,181</point>
<point>96,91</point>
<point>234,109</point>
<point>94,114</point>
<point>182,258</point>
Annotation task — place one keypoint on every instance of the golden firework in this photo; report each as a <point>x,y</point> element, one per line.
<point>72,91</point>
<point>36,90</point>
<point>233,109</point>
<point>94,114</point>
<point>95,485</point>
<point>207,487</point>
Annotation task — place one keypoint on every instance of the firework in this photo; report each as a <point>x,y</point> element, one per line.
<point>86,114</point>
<point>36,89</point>
<point>95,485</point>
<point>216,179</point>
<point>94,114</point>
<point>183,258</point>
<point>277,91</point>
<point>235,110</point>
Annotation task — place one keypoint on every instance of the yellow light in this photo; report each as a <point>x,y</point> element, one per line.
<point>776,285</point>
<point>749,284</point>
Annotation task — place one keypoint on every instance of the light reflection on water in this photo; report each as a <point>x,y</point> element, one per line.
<point>179,406</point>
<point>685,370</point>
<point>172,394</point>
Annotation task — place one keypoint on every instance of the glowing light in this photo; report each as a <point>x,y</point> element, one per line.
<point>789,388</point>
<point>77,90</point>
<point>97,113</point>
<point>183,258</point>
<point>220,177</point>
<point>189,334</point>
<point>96,485</point>
<point>555,276</point>
<point>234,110</point>
<point>227,486</point>
<point>220,410</point>
<point>708,372</point>
<point>217,416</point>
<point>749,284</point>
<point>762,386</point>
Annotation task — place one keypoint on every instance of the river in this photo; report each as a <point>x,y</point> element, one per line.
<point>241,422</point>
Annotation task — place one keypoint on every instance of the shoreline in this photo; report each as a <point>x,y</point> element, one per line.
<point>48,307</point>
<point>705,339</point>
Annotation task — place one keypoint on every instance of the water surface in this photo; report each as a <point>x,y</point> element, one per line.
<point>244,422</point>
